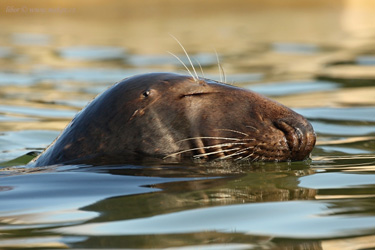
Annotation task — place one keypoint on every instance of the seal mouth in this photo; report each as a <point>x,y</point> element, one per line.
<point>300,138</point>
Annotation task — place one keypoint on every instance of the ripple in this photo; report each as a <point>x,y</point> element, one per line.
<point>16,143</point>
<point>336,180</point>
<point>358,114</point>
<point>293,87</point>
<point>92,53</point>
<point>365,60</point>
<point>63,194</point>
<point>9,118</point>
<point>237,78</point>
<point>203,59</point>
<point>342,129</point>
<point>48,242</point>
<point>74,103</point>
<point>295,48</point>
<point>295,219</point>
<point>5,52</point>
<point>90,75</point>
<point>37,112</point>
<point>31,39</point>
<point>351,75</point>
<point>345,150</point>
<point>7,78</point>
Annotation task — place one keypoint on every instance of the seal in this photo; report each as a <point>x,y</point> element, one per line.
<point>177,117</point>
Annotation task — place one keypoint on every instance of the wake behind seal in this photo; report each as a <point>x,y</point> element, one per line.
<point>178,117</point>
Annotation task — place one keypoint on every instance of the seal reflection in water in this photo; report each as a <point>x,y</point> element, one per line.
<point>172,116</point>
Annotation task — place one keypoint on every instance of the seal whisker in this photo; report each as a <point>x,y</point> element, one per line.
<point>256,158</point>
<point>224,75</point>
<point>235,153</point>
<point>248,126</point>
<point>213,138</point>
<point>232,130</point>
<point>216,152</point>
<point>183,65</point>
<point>188,57</point>
<point>219,66</point>
<point>205,147</point>
<point>250,155</point>
<point>200,66</point>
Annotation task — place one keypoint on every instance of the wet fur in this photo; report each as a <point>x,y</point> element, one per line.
<point>176,117</point>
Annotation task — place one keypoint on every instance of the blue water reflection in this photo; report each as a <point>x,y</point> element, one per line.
<point>92,53</point>
<point>254,219</point>
<point>293,87</point>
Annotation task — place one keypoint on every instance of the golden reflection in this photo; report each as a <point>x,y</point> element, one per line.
<point>341,97</point>
<point>346,140</point>
<point>34,125</point>
<point>35,219</point>
<point>364,242</point>
<point>34,242</point>
<point>347,196</point>
<point>351,168</point>
<point>358,17</point>
<point>362,169</point>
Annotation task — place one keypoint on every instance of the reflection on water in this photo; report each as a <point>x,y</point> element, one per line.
<point>92,53</point>
<point>249,203</point>
<point>294,48</point>
<point>30,39</point>
<point>316,57</point>
<point>293,87</point>
<point>201,59</point>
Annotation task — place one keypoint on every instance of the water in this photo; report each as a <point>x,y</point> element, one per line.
<point>322,69</point>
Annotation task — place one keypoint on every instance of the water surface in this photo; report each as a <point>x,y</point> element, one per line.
<point>316,58</point>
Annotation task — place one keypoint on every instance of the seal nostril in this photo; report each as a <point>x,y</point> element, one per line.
<point>300,138</point>
<point>292,135</point>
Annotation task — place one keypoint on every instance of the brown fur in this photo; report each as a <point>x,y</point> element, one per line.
<point>171,116</point>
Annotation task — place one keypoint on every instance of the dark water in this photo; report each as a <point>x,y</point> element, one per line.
<point>324,70</point>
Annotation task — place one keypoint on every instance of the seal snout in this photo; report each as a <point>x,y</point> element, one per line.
<point>299,135</point>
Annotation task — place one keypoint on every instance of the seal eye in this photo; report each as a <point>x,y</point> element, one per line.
<point>146,93</point>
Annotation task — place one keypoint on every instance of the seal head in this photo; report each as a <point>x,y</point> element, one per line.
<point>176,117</point>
